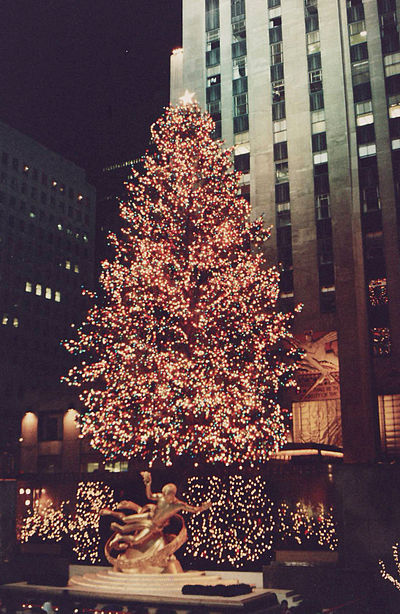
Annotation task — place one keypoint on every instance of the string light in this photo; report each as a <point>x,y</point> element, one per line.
<point>188,352</point>
<point>387,575</point>
<point>51,524</point>
<point>238,527</point>
<point>307,525</point>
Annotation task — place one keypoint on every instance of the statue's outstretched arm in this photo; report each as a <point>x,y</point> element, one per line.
<point>128,505</point>
<point>186,507</point>
<point>146,475</point>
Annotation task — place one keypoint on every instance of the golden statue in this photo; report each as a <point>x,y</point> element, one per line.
<point>139,543</point>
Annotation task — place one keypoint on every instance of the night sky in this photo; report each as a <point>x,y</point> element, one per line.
<point>86,78</point>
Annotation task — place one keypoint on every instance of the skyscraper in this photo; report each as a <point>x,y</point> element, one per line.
<point>307,92</point>
<point>47,215</point>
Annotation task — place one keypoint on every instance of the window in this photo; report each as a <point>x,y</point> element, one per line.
<point>92,467</point>
<point>239,49</point>
<point>317,421</point>
<point>357,32</point>
<point>365,134</point>
<point>314,61</point>
<point>322,207</point>
<point>389,421</point>
<point>280,151</point>
<point>38,290</point>
<point>367,150</point>
<point>319,142</point>
<point>48,293</point>
<point>4,319</point>
<point>239,68</point>
<point>320,158</point>
<point>212,59</point>
<point>28,286</point>
<point>316,101</point>
<point>355,12</point>
<point>275,32</point>
<point>276,53</point>
<point>276,72</point>
<point>212,15</point>
<point>239,86</point>
<point>278,91</point>
<point>242,162</point>
<point>278,111</point>
<point>359,52</point>
<point>240,105</point>
<point>313,42</point>
<point>381,341</point>
<point>240,124</point>
<point>116,466</point>
<point>76,267</point>
<point>281,172</point>
<point>15,322</point>
<point>57,296</point>
<point>282,193</point>
<point>327,299</point>
<point>312,23</point>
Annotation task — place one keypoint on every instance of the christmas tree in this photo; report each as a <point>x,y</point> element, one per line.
<point>188,352</point>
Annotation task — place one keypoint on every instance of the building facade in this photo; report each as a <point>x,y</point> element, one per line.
<point>47,227</point>
<point>308,94</point>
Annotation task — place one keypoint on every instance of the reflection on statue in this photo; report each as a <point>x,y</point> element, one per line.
<point>139,543</point>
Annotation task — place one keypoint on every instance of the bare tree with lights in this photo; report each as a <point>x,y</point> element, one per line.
<point>189,352</point>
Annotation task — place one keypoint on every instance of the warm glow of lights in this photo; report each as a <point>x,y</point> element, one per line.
<point>386,575</point>
<point>51,524</point>
<point>188,352</point>
<point>239,527</point>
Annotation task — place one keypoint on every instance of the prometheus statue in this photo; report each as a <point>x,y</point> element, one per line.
<point>139,543</point>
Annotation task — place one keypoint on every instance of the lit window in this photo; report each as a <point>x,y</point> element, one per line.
<point>76,268</point>
<point>26,168</point>
<point>321,158</point>
<point>80,197</point>
<point>85,238</point>
<point>48,293</point>
<point>59,226</point>
<point>396,144</point>
<point>365,119</point>
<point>38,290</point>
<point>57,296</point>
<point>91,467</point>
<point>4,320</point>
<point>116,466</point>
<point>389,421</point>
<point>28,286</point>
<point>68,264</point>
<point>367,150</point>
<point>32,213</point>
<point>394,110</point>
<point>54,183</point>
<point>15,323</point>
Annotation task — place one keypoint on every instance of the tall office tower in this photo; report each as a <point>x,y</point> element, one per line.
<point>47,219</point>
<point>308,94</point>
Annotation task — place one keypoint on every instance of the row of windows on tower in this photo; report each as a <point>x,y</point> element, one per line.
<point>24,225</point>
<point>31,172</point>
<point>11,201</point>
